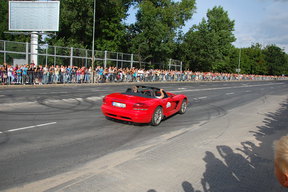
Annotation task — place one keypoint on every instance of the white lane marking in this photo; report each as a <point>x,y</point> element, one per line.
<point>232,93</point>
<point>29,127</point>
<point>202,97</point>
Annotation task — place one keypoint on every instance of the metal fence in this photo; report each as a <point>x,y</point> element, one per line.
<point>13,52</point>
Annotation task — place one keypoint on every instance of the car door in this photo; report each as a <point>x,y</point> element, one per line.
<point>169,105</point>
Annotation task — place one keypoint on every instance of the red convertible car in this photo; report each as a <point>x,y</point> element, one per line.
<point>143,105</point>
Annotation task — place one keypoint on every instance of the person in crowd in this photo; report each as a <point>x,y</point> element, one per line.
<point>31,74</point>
<point>281,160</point>
<point>19,75</point>
<point>25,74</point>
<point>63,77</point>
<point>51,74</point>
<point>10,74</point>
<point>38,73</point>
<point>101,75</point>
<point>45,75</point>
<point>57,74</point>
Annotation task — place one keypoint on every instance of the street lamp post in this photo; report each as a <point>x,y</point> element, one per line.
<point>93,44</point>
<point>239,61</point>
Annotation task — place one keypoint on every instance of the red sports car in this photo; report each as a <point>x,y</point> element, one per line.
<point>143,105</point>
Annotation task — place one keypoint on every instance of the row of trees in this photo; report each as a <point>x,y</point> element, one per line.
<point>157,36</point>
<point>208,47</point>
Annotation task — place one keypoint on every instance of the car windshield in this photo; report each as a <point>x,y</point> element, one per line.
<point>144,91</point>
<point>141,92</point>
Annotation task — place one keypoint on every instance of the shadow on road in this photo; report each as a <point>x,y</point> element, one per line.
<point>249,168</point>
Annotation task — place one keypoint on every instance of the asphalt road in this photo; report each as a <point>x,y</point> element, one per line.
<point>48,133</point>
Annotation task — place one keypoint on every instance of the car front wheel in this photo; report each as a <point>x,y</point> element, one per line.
<point>157,116</point>
<point>183,107</point>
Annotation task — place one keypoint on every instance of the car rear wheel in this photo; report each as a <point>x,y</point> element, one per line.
<point>183,106</point>
<point>157,116</point>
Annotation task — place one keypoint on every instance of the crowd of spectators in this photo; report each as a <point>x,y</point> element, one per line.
<point>31,74</point>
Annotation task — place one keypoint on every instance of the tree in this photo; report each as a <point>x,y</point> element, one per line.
<point>4,19</point>
<point>196,48</point>
<point>210,42</point>
<point>153,34</point>
<point>76,24</point>
<point>256,64</point>
<point>276,60</point>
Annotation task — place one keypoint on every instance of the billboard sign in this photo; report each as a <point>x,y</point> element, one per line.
<point>34,15</point>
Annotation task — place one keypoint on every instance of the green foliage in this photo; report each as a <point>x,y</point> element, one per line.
<point>196,50</point>
<point>208,47</point>
<point>220,29</point>
<point>153,34</point>
<point>210,42</point>
<point>253,61</point>
<point>76,24</point>
<point>276,60</point>
<point>270,60</point>
<point>4,19</point>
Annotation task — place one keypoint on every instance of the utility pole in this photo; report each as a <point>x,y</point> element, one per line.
<point>93,44</point>
<point>238,70</point>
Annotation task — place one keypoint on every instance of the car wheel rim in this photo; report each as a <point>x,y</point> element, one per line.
<point>184,106</point>
<point>158,116</point>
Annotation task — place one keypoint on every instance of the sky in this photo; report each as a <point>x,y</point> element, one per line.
<point>256,21</point>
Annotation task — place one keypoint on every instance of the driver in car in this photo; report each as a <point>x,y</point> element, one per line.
<point>161,96</point>
<point>134,89</point>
